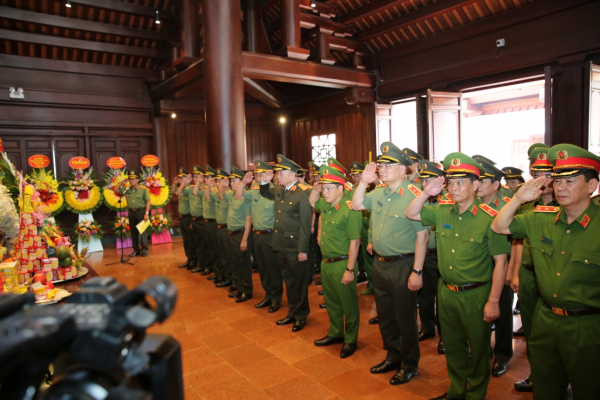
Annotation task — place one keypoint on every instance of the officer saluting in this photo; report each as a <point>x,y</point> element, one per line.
<point>183,191</point>
<point>138,206</point>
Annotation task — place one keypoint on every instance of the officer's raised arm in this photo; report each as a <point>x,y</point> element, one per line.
<point>367,178</point>
<point>530,191</point>
<point>414,208</point>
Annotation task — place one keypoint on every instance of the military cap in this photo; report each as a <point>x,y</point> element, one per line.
<point>236,172</point>
<point>209,171</point>
<point>512,172</point>
<point>332,175</point>
<point>356,168</point>
<point>536,146</point>
<point>182,172</point>
<point>392,154</point>
<point>284,163</point>
<point>196,169</point>
<point>332,162</point>
<point>459,165</point>
<point>315,171</point>
<point>490,171</point>
<point>538,159</point>
<point>478,158</point>
<point>430,169</point>
<point>262,166</point>
<point>221,173</point>
<point>301,172</point>
<point>133,175</point>
<point>571,160</point>
<point>416,157</point>
<point>312,165</point>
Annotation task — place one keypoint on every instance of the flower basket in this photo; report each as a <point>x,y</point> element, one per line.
<point>82,196</point>
<point>112,179</point>
<point>86,230</point>
<point>160,223</point>
<point>158,188</point>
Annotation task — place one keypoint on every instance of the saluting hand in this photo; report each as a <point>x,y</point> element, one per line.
<point>491,312</point>
<point>531,190</point>
<point>318,187</point>
<point>248,178</point>
<point>267,176</point>
<point>435,187</point>
<point>369,175</point>
<point>175,180</point>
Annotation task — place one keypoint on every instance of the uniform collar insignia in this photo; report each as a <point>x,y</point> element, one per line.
<point>585,221</point>
<point>337,206</point>
<point>400,191</point>
<point>496,202</point>
<point>474,210</point>
<point>557,217</point>
<point>293,188</point>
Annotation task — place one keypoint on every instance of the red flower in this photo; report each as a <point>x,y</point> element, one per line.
<point>84,194</point>
<point>128,228</point>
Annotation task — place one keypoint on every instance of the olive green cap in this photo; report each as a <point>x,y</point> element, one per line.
<point>315,170</point>
<point>221,173</point>
<point>262,166</point>
<point>512,173</point>
<point>133,175</point>
<point>332,162</point>
<point>356,168</point>
<point>416,157</point>
<point>301,172</point>
<point>536,146</point>
<point>236,172</point>
<point>538,160</point>
<point>459,165</point>
<point>390,153</point>
<point>332,175</point>
<point>430,169</point>
<point>479,158</point>
<point>490,171</point>
<point>571,160</point>
<point>196,169</point>
<point>209,171</point>
<point>284,163</point>
<point>182,172</point>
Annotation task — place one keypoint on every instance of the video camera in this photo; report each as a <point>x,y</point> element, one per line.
<point>96,342</point>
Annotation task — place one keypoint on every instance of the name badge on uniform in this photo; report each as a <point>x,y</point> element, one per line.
<point>379,204</point>
<point>446,226</point>
<point>256,200</point>
<point>546,240</point>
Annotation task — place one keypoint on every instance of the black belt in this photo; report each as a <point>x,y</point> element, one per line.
<point>222,226</point>
<point>180,215</point>
<point>332,260</point>
<point>262,232</point>
<point>529,268</point>
<point>462,288</point>
<point>209,220</point>
<point>136,209</point>
<point>570,312</point>
<point>235,232</point>
<point>196,218</point>
<point>386,259</point>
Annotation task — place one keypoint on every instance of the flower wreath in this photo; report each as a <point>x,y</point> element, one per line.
<point>158,188</point>
<point>47,186</point>
<point>82,196</point>
<point>112,179</point>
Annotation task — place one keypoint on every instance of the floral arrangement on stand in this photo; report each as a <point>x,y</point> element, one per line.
<point>158,188</point>
<point>82,196</point>
<point>86,230</point>
<point>9,218</point>
<point>46,186</point>
<point>112,179</point>
<point>122,227</point>
<point>160,223</point>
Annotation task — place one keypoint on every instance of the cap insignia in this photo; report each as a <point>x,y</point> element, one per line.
<point>562,154</point>
<point>386,148</point>
<point>325,171</point>
<point>278,159</point>
<point>456,162</point>
<point>542,156</point>
<point>508,171</point>
<point>424,166</point>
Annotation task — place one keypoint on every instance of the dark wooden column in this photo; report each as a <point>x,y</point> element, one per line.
<point>190,34</point>
<point>256,39</point>
<point>224,85</point>
<point>567,102</point>
<point>290,29</point>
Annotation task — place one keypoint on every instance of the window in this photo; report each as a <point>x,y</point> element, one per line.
<point>401,128</point>
<point>594,128</point>
<point>323,147</point>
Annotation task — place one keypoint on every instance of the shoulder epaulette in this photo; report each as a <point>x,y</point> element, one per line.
<point>505,187</point>
<point>255,187</point>
<point>212,189</point>
<point>549,209</point>
<point>348,186</point>
<point>506,199</point>
<point>303,187</point>
<point>415,190</point>
<point>447,195</point>
<point>446,202</point>
<point>381,185</point>
<point>349,204</point>
<point>489,210</point>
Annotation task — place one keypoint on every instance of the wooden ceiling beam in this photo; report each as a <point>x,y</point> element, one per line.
<point>404,20</point>
<point>264,92</point>
<point>369,9</point>
<point>322,8</point>
<point>78,24</point>
<point>78,44</point>
<point>179,82</point>
<point>128,8</point>
<point>327,25</point>
<point>189,90</point>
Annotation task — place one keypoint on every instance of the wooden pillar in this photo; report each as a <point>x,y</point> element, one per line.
<point>224,85</point>
<point>190,34</point>
<point>567,102</point>
<point>256,39</point>
<point>323,51</point>
<point>290,29</point>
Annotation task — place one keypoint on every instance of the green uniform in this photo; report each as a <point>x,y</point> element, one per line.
<point>263,218</point>
<point>222,209</point>
<point>236,222</point>
<point>198,238</point>
<point>564,349</point>
<point>209,212</point>
<point>596,199</point>
<point>339,225</point>
<point>505,192</point>
<point>428,293</point>
<point>185,221</point>
<point>465,246</point>
<point>366,257</point>
<point>136,206</point>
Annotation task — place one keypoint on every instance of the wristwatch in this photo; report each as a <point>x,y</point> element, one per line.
<point>147,213</point>
<point>418,272</point>
<point>350,270</point>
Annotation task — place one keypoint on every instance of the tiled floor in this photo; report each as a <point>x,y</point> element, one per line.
<point>235,351</point>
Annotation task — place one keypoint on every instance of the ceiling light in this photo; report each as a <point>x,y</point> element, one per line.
<point>282,120</point>
<point>157,20</point>
<point>173,115</point>
<point>68,4</point>
<point>313,3</point>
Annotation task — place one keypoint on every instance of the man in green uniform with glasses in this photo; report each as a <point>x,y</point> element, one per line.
<point>138,207</point>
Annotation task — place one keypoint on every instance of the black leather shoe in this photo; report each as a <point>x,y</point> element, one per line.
<point>232,289</point>
<point>318,283</point>
<point>322,305</point>
<point>362,277</point>
<point>225,283</point>
<point>192,266</point>
<point>445,396</point>
<point>327,340</point>
<point>441,348</point>
<point>298,326</point>
<point>264,303</point>
<point>218,279</point>
<point>144,253</point>
<point>196,270</point>
<point>234,295</point>
<point>348,349</point>
<point>384,367</point>
<point>135,253</point>
<point>403,376</point>
<point>286,320</point>
<point>524,386</point>
<point>187,263</point>
<point>206,272</point>
<point>425,336</point>
<point>519,333</point>
<point>374,321</point>
<point>213,277</point>
<point>499,368</point>
<point>317,270</point>
<point>243,297</point>
<point>274,307</point>
<point>320,293</point>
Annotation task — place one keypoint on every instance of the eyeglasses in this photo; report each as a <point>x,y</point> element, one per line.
<point>329,188</point>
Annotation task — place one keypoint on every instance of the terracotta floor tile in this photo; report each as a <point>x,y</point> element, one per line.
<point>366,356</point>
<point>322,366</point>
<point>244,390</point>
<point>225,340</point>
<point>251,324</point>
<point>199,358</point>
<point>233,314</point>
<point>213,379</point>
<point>270,372</point>
<point>271,336</point>
<point>207,328</point>
<point>191,394</point>
<point>245,355</point>
<point>294,350</point>
<point>300,388</point>
<point>355,384</point>
<point>188,342</point>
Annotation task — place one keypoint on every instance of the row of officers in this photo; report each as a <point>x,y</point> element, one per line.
<point>448,241</point>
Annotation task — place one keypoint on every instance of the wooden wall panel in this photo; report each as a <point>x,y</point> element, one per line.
<point>64,150</point>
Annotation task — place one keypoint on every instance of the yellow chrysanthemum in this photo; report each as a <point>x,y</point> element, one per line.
<point>58,203</point>
<point>83,205</point>
<point>159,200</point>
<point>112,199</point>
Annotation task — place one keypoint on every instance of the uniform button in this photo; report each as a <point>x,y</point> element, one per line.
<point>275,230</point>
<point>442,233</point>
<point>281,203</point>
<point>586,261</point>
<point>276,220</point>
<point>568,231</point>
<point>389,199</point>
<point>379,252</point>
<point>290,203</point>
<point>562,252</point>
<point>453,250</point>
<point>451,267</point>
<point>457,234</point>
<point>380,225</point>
<point>292,236</point>
<point>555,296</point>
<point>378,241</point>
<point>543,250</point>
<point>471,239</point>
<point>558,274</point>
<point>460,218</point>
<point>279,211</point>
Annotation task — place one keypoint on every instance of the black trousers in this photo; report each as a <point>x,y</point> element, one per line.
<point>211,253</point>
<point>503,349</point>
<point>185,222</point>
<point>295,275</point>
<point>268,270</point>
<point>135,217</point>
<point>199,241</point>
<point>242,266</point>
<point>397,311</point>
<point>226,270</point>
<point>428,295</point>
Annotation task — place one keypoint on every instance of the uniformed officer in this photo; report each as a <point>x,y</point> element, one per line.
<point>503,190</point>
<point>400,246</point>
<point>222,210</point>
<point>182,189</point>
<point>138,207</point>
<point>513,177</point>
<point>197,214</point>
<point>523,280</point>
<point>472,261</point>
<point>302,176</point>
<point>239,224</point>
<point>563,345</point>
<point>348,187</point>
<point>365,260</point>
<point>413,174</point>
<point>431,275</point>
<point>263,218</point>
<point>488,193</point>
<point>531,149</point>
<point>291,238</point>
<point>213,261</point>
<point>340,242</point>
